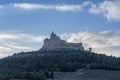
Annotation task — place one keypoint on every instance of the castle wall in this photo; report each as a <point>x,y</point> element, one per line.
<point>56,43</point>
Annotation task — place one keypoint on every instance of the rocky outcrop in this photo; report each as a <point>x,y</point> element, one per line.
<point>55,43</point>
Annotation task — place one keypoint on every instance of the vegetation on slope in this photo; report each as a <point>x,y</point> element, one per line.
<point>39,65</point>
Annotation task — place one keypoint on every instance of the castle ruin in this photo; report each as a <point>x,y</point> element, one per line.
<point>55,43</point>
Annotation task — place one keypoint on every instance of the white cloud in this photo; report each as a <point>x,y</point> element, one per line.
<point>14,46</point>
<point>4,51</point>
<point>29,6</point>
<point>7,36</point>
<point>94,9</point>
<point>109,9</point>
<point>32,38</point>
<point>1,6</point>
<point>102,42</point>
<point>16,42</point>
<point>8,48</point>
<point>5,48</point>
<point>87,3</point>
<point>69,7</point>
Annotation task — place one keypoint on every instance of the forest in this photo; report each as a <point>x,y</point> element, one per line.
<point>40,65</point>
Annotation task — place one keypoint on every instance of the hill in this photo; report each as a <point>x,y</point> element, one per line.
<point>39,65</point>
<point>83,74</point>
<point>55,55</point>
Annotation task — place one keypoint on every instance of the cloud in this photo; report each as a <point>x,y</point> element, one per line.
<point>8,48</point>
<point>64,7</point>
<point>32,38</point>
<point>107,42</point>
<point>11,43</point>
<point>7,36</point>
<point>4,48</point>
<point>14,46</point>
<point>1,6</point>
<point>109,9</point>
<point>4,51</point>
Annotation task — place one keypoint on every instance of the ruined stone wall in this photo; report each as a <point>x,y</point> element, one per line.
<point>56,43</point>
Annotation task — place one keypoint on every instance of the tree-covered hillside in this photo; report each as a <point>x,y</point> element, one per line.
<point>39,65</point>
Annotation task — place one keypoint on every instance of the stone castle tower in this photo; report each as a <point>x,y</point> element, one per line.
<point>55,43</point>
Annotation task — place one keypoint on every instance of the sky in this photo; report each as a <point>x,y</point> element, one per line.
<point>24,24</point>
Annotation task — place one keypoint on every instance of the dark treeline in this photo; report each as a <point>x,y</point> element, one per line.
<point>39,65</point>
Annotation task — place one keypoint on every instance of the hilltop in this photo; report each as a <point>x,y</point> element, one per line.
<point>41,64</point>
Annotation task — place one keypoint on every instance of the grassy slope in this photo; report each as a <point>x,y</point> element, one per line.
<point>88,75</point>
